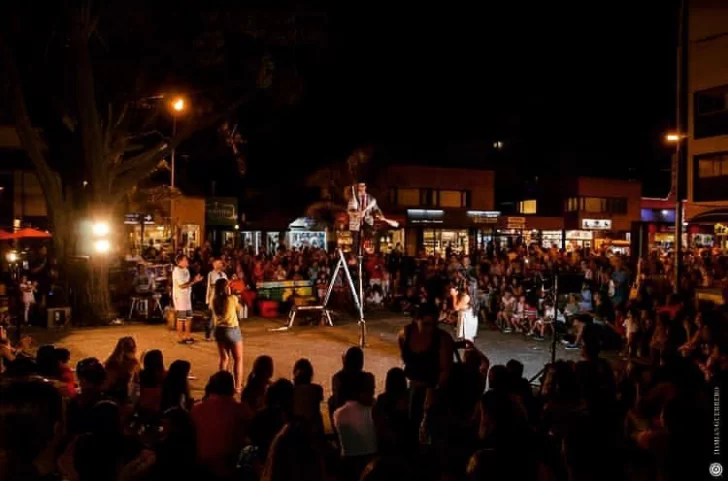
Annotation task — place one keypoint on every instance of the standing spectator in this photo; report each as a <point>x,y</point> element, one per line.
<point>213,276</point>
<point>182,298</point>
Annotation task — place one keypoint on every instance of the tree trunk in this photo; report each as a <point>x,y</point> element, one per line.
<point>97,291</point>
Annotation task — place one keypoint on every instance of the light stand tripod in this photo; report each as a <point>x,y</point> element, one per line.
<point>326,315</point>
<point>555,295</point>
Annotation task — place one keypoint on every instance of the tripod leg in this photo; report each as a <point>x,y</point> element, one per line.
<point>331,282</point>
<point>357,301</point>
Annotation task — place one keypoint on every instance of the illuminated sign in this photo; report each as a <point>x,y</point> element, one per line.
<point>425,216</point>
<point>483,216</point>
<point>596,224</point>
<point>515,222</point>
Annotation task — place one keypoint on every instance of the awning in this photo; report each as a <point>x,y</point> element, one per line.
<point>710,217</point>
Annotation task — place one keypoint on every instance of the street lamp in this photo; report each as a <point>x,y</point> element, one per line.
<point>674,137</point>
<point>12,257</point>
<point>178,105</point>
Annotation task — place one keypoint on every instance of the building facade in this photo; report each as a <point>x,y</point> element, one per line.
<point>572,212</point>
<point>707,136</point>
<point>439,208</point>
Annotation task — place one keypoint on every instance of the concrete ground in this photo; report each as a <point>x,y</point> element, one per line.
<point>323,346</point>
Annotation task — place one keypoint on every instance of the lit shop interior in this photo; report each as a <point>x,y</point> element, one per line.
<point>436,241</point>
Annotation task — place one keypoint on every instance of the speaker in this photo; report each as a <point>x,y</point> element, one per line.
<point>58,317</point>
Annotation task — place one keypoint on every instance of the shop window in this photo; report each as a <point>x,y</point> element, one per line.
<point>572,204</point>
<point>451,198</point>
<point>617,205</point>
<point>713,165</point>
<point>594,204</point>
<point>408,197</point>
<point>711,112</point>
<point>527,207</point>
<point>709,183</point>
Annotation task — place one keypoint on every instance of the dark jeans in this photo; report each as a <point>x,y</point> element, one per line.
<point>208,326</point>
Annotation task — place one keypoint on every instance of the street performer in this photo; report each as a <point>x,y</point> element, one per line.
<point>363,211</point>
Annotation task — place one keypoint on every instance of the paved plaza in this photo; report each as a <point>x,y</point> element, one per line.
<point>322,345</point>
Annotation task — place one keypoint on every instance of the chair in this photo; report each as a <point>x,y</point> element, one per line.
<point>140,305</point>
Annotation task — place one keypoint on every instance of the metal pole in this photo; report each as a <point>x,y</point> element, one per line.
<point>174,132</point>
<point>680,162</point>
<point>556,316</point>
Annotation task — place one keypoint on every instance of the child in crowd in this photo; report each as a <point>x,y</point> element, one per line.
<point>508,305</point>
<point>28,289</point>
<point>631,326</point>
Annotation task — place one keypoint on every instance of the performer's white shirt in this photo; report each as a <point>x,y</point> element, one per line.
<point>212,278</point>
<point>356,205</point>
<point>181,297</point>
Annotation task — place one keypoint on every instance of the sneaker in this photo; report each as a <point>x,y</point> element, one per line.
<point>538,338</point>
<point>565,342</point>
<point>530,334</point>
<point>507,330</point>
<point>572,347</point>
<point>209,339</point>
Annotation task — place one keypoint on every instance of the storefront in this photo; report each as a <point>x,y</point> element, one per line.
<point>437,241</point>
<point>304,232</point>
<point>485,225</point>
<point>550,238</point>
<point>221,221</point>
<point>143,230</point>
<point>188,216</point>
<point>578,239</point>
<point>251,240</point>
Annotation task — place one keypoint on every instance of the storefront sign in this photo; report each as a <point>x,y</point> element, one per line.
<point>721,229</point>
<point>423,216</point>
<point>596,224</point>
<point>515,223</point>
<point>221,211</point>
<point>579,235</point>
<point>136,219</point>
<point>483,216</point>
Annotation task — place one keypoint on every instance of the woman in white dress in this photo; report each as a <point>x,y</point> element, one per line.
<point>467,323</point>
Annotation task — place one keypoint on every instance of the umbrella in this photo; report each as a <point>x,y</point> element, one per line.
<point>5,235</point>
<point>30,233</point>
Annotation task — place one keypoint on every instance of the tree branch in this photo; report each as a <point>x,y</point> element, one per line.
<point>128,173</point>
<point>29,138</point>
<point>92,137</point>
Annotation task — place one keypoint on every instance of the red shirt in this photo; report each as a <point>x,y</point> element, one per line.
<point>69,380</point>
<point>220,425</point>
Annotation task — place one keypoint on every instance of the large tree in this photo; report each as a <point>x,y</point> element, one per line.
<point>88,88</point>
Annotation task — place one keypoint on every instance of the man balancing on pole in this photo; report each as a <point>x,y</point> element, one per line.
<point>363,210</point>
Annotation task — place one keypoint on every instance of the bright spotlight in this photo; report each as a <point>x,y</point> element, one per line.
<point>101,229</point>
<point>102,246</point>
<point>12,257</point>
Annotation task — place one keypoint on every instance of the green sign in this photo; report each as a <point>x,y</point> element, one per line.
<point>221,211</point>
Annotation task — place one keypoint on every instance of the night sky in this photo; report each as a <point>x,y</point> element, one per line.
<point>575,88</point>
<point>568,87</point>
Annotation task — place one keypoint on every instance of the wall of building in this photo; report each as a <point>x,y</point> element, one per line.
<point>480,183</point>
<point>708,67</point>
<point>189,210</point>
<point>608,188</point>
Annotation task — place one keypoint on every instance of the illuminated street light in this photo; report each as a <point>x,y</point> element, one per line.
<point>179,104</point>
<point>673,137</point>
<point>12,257</point>
<point>101,229</point>
<point>102,246</point>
